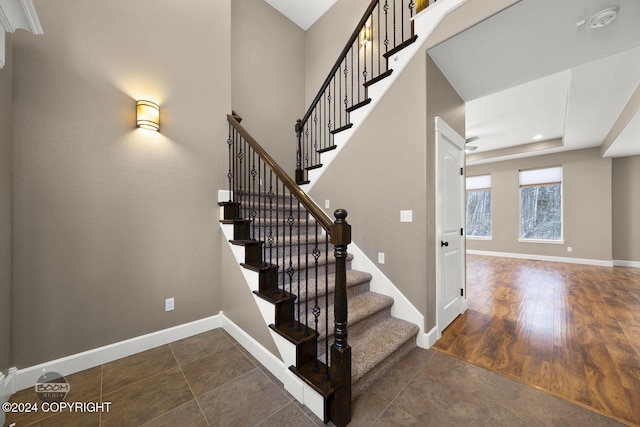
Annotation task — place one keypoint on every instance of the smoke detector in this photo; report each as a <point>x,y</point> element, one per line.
<point>604,17</point>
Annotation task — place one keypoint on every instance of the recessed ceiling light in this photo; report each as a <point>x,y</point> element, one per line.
<point>604,17</point>
<point>537,137</point>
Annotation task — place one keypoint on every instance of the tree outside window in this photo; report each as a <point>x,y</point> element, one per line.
<point>479,206</point>
<point>541,204</point>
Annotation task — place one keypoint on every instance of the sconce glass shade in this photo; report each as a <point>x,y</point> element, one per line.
<point>365,35</point>
<point>148,115</point>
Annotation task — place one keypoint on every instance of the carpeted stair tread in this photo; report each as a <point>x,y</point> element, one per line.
<point>354,278</point>
<point>377,343</point>
<point>358,307</point>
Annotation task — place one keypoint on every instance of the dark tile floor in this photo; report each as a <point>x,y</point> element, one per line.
<point>210,380</point>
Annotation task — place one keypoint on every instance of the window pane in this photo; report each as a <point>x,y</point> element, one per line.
<point>479,213</point>
<point>541,212</point>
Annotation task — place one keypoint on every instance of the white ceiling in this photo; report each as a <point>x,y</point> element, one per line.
<point>531,70</point>
<point>303,12</point>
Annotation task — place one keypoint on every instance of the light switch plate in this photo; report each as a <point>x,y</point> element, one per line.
<point>406,216</point>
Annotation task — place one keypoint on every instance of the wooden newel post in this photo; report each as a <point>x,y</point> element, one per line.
<point>340,350</point>
<point>299,171</point>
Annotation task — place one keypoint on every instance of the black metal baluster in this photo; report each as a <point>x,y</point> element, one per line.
<point>394,24</point>
<point>253,191</point>
<point>306,275</point>
<point>316,307</point>
<point>371,47</point>
<point>229,173</point>
<point>278,243</point>
<point>386,26</point>
<point>270,239</point>
<point>290,269</point>
<point>326,305</point>
<point>298,328</point>
<point>378,34</point>
<point>364,72</point>
<point>329,116</point>
<point>346,92</point>
<point>401,21</point>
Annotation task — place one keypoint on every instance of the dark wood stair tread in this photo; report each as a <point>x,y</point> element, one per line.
<point>378,78</point>
<point>293,335</point>
<point>359,105</point>
<point>325,149</point>
<point>314,379</point>
<point>319,165</point>
<point>401,46</point>
<point>341,129</point>
<point>275,296</point>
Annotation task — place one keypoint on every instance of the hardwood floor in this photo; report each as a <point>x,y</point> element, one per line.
<point>571,330</point>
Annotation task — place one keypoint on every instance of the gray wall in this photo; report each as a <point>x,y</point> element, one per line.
<point>268,76</point>
<point>586,202</point>
<point>110,220</point>
<point>444,102</point>
<point>5,209</point>
<point>626,208</point>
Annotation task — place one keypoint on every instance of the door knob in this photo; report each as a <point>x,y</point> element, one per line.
<point>442,243</point>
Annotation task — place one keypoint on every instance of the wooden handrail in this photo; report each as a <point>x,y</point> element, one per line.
<point>335,67</point>
<point>319,215</point>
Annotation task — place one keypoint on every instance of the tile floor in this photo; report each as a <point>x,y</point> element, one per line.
<point>210,380</point>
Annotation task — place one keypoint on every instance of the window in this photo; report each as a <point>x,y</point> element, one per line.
<point>479,206</point>
<point>541,204</point>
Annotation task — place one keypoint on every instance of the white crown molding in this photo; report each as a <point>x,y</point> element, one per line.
<point>16,14</point>
<point>32,17</point>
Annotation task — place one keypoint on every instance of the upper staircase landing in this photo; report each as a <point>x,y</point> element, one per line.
<point>317,151</point>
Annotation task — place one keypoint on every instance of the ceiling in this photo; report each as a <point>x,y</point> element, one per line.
<point>536,78</point>
<point>536,70</point>
<point>303,12</point>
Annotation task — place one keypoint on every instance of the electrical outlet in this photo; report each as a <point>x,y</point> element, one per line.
<point>569,249</point>
<point>406,216</point>
<point>380,257</point>
<point>327,204</point>
<point>169,304</point>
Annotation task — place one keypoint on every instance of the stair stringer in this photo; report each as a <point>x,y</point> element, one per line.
<point>292,383</point>
<point>424,24</point>
<point>402,308</point>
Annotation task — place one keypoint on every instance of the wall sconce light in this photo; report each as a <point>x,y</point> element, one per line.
<point>148,115</point>
<point>365,35</point>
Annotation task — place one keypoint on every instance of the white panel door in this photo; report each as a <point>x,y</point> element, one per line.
<point>450,217</point>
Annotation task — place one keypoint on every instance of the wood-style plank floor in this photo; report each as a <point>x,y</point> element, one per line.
<point>572,330</point>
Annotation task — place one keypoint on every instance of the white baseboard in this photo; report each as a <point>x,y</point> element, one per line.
<point>586,261</point>
<point>7,388</point>
<point>430,338</point>
<point>623,263</point>
<point>68,365</point>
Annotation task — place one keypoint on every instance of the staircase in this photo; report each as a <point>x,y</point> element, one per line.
<point>288,242</point>
<point>336,336</point>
